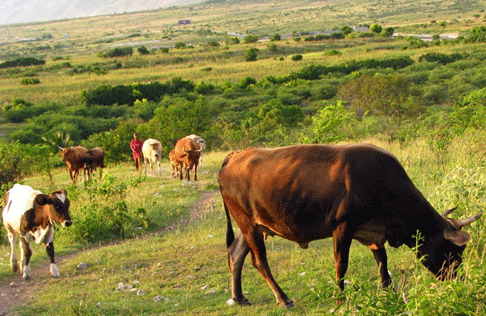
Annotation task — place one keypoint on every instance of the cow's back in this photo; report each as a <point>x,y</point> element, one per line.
<point>298,188</point>
<point>20,199</point>
<point>151,147</point>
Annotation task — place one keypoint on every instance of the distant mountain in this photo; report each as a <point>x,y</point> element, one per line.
<point>22,11</point>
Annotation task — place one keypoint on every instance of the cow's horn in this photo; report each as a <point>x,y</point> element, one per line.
<point>60,147</point>
<point>448,212</point>
<point>466,221</point>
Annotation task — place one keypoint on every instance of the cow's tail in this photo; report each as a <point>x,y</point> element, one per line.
<point>230,235</point>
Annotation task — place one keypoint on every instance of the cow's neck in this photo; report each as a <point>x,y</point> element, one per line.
<point>42,217</point>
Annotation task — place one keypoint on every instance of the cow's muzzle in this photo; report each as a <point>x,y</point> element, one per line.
<point>67,223</point>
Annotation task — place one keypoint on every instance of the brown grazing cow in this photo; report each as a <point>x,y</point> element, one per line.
<point>309,192</point>
<point>94,159</point>
<point>74,159</point>
<point>187,153</point>
<point>31,214</point>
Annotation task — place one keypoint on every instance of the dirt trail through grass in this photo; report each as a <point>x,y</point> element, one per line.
<point>15,291</point>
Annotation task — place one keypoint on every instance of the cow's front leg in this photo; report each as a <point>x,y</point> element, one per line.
<point>12,238</point>
<point>381,260</point>
<point>50,253</point>
<point>26,253</point>
<point>342,243</point>
<point>49,242</point>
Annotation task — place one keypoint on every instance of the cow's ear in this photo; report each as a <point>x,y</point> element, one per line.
<point>458,237</point>
<point>64,192</point>
<point>43,199</point>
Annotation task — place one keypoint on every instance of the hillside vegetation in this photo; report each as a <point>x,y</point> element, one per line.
<point>241,74</point>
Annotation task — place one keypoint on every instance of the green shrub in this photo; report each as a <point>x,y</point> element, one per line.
<point>250,38</point>
<point>477,35</point>
<point>204,88</point>
<point>29,81</point>
<point>441,58</point>
<point>20,110</point>
<point>251,54</point>
<point>118,52</point>
<point>296,57</point>
<point>22,62</point>
<point>97,222</point>
<point>143,50</point>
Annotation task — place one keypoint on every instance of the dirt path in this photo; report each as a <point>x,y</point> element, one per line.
<point>15,291</point>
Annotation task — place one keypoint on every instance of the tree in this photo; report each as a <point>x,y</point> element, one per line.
<point>379,95</point>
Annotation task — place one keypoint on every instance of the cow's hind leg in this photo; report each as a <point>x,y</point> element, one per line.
<point>237,253</point>
<point>382,261</point>
<point>259,260</point>
<point>26,253</point>
<point>12,238</point>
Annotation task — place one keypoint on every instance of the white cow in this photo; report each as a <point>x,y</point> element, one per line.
<point>152,152</point>
<point>202,145</point>
<point>31,214</point>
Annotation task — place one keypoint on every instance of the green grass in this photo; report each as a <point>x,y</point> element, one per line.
<point>187,264</point>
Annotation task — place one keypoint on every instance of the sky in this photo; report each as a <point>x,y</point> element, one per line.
<point>24,11</point>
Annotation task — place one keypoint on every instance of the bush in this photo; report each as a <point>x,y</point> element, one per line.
<point>143,50</point>
<point>441,58</point>
<point>251,54</point>
<point>118,52</point>
<point>250,38</point>
<point>22,62</point>
<point>20,110</point>
<point>296,57</point>
<point>275,37</point>
<point>204,88</point>
<point>477,35</point>
<point>28,81</point>
<point>247,81</point>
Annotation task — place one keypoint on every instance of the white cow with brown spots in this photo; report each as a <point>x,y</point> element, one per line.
<point>30,214</point>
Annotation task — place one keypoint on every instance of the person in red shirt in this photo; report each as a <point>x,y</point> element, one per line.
<point>136,147</point>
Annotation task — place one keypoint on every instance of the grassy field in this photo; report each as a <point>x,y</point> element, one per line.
<point>166,237</point>
<point>183,269</point>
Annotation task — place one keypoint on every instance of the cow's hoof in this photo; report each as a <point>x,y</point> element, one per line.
<point>26,277</point>
<point>289,304</point>
<point>55,276</point>
<point>242,302</point>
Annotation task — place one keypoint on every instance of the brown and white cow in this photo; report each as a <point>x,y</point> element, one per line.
<point>187,153</point>
<point>31,214</point>
<point>94,159</point>
<point>309,192</point>
<point>152,153</point>
<point>74,158</point>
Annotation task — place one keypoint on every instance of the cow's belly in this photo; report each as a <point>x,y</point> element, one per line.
<point>371,235</point>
